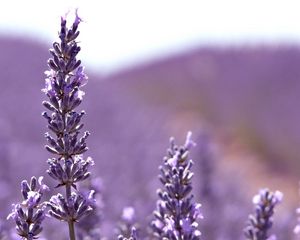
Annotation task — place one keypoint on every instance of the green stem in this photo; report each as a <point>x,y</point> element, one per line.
<point>71,222</point>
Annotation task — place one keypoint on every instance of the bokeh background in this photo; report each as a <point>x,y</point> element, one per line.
<point>228,71</point>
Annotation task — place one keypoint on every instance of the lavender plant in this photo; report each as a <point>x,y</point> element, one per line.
<point>29,214</point>
<point>176,215</point>
<point>65,78</point>
<point>261,221</point>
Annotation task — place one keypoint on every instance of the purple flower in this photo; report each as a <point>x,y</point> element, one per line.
<point>80,78</point>
<point>262,220</point>
<point>176,215</point>
<point>31,194</point>
<point>32,199</point>
<point>29,215</point>
<point>71,209</point>
<point>63,87</point>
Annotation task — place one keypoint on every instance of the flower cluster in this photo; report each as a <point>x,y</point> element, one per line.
<point>261,221</point>
<point>63,83</point>
<point>69,171</point>
<point>71,209</point>
<point>65,78</point>
<point>176,215</point>
<point>29,214</point>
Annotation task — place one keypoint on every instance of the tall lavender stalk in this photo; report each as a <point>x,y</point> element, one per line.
<point>65,78</point>
<point>261,221</point>
<point>176,215</point>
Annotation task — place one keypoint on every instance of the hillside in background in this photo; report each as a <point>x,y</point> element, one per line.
<point>245,98</point>
<point>251,93</point>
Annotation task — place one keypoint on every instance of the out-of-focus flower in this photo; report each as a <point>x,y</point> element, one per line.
<point>176,215</point>
<point>261,221</point>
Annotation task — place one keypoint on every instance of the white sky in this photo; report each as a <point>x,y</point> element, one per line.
<point>120,33</point>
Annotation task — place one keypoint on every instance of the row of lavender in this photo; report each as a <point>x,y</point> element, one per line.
<point>177,214</point>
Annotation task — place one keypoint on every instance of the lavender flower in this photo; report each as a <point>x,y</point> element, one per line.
<point>71,209</point>
<point>261,221</point>
<point>65,78</point>
<point>176,214</point>
<point>29,214</point>
<point>69,172</point>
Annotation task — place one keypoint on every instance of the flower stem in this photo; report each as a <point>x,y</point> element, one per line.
<point>71,222</point>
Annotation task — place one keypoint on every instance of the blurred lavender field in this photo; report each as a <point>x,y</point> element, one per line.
<point>240,103</point>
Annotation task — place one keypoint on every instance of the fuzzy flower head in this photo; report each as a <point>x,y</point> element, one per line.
<point>177,214</point>
<point>261,221</point>
<point>179,154</point>
<point>264,195</point>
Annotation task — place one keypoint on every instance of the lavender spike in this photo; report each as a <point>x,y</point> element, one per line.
<point>30,213</point>
<point>63,87</point>
<point>261,221</point>
<point>176,214</point>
